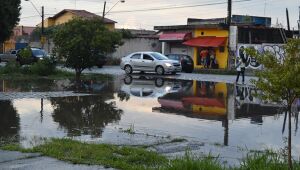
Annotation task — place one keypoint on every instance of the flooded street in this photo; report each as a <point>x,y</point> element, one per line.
<point>142,110</point>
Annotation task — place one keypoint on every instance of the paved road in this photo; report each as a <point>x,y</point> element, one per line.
<point>115,70</point>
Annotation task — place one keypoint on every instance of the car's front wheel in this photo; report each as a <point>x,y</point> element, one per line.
<point>128,69</point>
<point>160,70</point>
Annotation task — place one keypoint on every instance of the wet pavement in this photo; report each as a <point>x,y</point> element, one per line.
<point>117,71</point>
<point>213,117</point>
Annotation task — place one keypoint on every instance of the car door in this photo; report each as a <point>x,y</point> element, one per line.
<point>148,62</point>
<point>136,60</point>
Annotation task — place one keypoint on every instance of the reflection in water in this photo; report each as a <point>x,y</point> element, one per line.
<point>85,115</point>
<point>9,122</point>
<point>206,111</point>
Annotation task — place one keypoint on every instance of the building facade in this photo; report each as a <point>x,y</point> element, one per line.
<point>194,39</point>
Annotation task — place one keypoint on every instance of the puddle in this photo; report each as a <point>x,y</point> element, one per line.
<point>142,110</point>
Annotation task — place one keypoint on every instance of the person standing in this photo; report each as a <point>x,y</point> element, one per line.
<point>240,68</point>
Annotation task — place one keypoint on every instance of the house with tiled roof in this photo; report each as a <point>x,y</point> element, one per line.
<point>68,14</point>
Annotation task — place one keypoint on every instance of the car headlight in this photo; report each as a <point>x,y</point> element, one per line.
<point>168,64</point>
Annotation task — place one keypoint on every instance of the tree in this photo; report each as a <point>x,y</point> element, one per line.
<point>9,17</point>
<point>280,79</point>
<point>81,42</point>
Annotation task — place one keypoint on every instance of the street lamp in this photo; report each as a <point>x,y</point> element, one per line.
<point>104,13</point>
<point>41,15</point>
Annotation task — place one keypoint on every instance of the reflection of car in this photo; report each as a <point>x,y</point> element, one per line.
<point>148,86</point>
<point>187,62</point>
<point>36,55</point>
<point>149,62</point>
<point>9,56</point>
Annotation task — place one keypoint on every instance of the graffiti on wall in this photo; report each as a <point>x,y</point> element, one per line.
<point>251,62</point>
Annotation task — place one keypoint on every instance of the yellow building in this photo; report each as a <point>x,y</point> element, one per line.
<point>213,40</point>
<point>193,39</point>
<point>68,14</point>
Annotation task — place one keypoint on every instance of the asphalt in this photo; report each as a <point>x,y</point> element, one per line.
<point>117,71</point>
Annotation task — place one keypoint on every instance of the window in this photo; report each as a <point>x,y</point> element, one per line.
<point>136,56</point>
<point>147,57</point>
<point>159,56</point>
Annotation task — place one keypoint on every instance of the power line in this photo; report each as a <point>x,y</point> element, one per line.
<point>176,7</point>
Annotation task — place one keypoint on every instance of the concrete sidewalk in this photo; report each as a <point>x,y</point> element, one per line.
<point>11,160</point>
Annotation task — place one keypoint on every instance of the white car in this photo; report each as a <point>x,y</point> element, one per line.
<point>149,62</point>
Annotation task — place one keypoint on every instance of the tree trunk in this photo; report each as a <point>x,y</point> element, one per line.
<point>290,139</point>
<point>78,73</point>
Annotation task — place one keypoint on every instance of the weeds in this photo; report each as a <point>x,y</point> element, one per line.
<point>130,130</point>
<point>129,158</point>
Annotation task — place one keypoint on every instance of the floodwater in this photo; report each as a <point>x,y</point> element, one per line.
<point>103,111</point>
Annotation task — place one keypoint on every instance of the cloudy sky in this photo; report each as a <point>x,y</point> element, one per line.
<point>167,12</point>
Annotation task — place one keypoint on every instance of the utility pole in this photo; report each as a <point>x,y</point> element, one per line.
<point>299,23</point>
<point>229,9</point>
<point>103,15</point>
<point>43,39</point>
<point>288,20</point>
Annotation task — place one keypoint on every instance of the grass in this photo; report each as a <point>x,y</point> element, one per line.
<point>136,158</point>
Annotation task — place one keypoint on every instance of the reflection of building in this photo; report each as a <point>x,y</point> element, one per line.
<point>207,99</point>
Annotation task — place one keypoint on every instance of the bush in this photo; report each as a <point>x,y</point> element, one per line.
<point>10,67</point>
<point>43,67</point>
<point>25,55</point>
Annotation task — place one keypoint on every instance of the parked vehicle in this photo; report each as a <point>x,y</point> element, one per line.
<point>9,56</point>
<point>36,55</point>
<point>149,62</point>
<point>187,62</point>
<point>102,60</point>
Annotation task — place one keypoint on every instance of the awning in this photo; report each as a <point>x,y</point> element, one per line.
<point>206,42</point>
<point>209,102</point>
<point>175,36</point>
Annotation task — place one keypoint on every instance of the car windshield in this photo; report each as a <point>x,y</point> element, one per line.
<point>37,52</point>
<point>159,56</point>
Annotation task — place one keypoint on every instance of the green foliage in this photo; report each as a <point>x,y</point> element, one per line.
<point>25,54</point>
<point>48,32</point>
<point>10,67</point>
<point>43,67</point>
<point>280,80</point>
<point>9,14</point>
<point>190,163</point>
<point>126,34</point>
<point>123,157</point>
<point>101,154</point>
<point>81,42</point>
<point>265,161</point>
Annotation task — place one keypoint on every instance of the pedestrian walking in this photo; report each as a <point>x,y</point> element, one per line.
<point>240,68</point>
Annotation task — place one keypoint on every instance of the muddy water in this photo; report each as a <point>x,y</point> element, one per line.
<point>154,109</point>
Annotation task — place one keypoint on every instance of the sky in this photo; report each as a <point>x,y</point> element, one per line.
<point>146,19</point>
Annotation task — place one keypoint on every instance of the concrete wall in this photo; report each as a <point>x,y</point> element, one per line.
<point>251,63</point>
<point>137,44</point>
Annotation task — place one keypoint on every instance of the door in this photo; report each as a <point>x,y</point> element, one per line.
<point>148,62</point>
<point>136,60</point>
